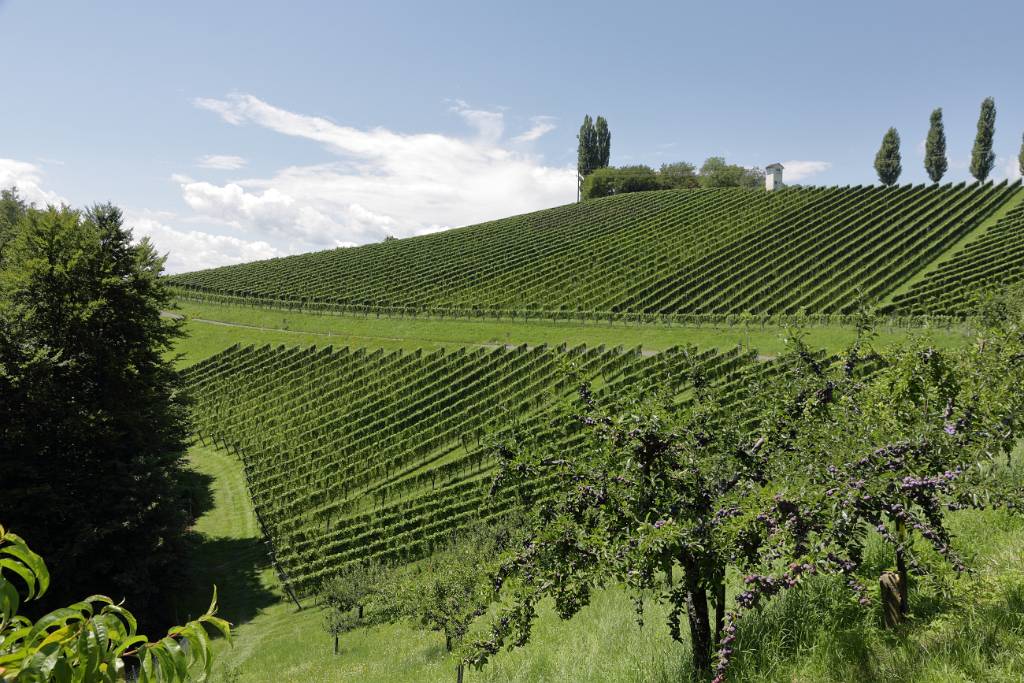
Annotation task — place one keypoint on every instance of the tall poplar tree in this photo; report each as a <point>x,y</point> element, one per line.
<point>586,151</point>
<point>1020,158</point>
<point>603,139</point>
<point>935,148</point>
<point>888,161</point>
<point>982,156</point>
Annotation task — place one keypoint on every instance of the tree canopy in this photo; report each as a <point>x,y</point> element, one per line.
<point>982,156</point>
<point>935,148</point>
<point>715,172</point>
<point>93,416</point>
<point>888,162</point>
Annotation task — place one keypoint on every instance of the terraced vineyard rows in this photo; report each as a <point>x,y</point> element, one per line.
<point>994,260</point>
<point>352,454</point>
<point>677,253</point>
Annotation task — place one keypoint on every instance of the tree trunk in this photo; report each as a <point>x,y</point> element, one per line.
<point>360,612</point>
<point>458,672</point>
<point>719,609</point>
<point>700,626</point>
<point>901,568</point>
<point>448,643</point>
<point>335,643</point>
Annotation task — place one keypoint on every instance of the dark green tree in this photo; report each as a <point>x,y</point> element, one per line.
<point>12,209</point>
<point>586,151</point>
<point>1020,157</point>
<point>887,161</point>
<point>678,175</point>
<point>716,173</point>
<point>603,143</point>
<point>605,182</point>
<point>93,419</point>
<point>982,156</point>
<point>935,148</point>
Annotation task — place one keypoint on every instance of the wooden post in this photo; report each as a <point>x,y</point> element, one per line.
<point>335,643</point>
<point>458,672</point>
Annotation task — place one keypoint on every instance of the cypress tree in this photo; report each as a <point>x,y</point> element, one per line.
<point>1020,159</point>
<point>603,138</point>
<point>982,156</point>
<point>935,148</point>
<point>586,151</point>
<point>887,161</point>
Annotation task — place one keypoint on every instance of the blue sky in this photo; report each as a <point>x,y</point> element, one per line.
<point>234,131</point>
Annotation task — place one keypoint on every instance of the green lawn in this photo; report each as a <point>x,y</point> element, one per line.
<point>213,327</point>
<point>968,628</point>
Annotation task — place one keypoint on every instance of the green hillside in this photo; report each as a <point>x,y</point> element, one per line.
<point>679,253</point>
<point>356,454</point>
<point>379,447</point>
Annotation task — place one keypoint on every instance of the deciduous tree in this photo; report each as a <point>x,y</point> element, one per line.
<point>603,143</point>
<point>93,416</point>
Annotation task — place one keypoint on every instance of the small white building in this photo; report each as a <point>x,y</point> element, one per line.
<point>772,176</point>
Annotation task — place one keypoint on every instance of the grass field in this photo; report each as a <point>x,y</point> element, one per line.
<point>967,628</point>
<point>214,327</point>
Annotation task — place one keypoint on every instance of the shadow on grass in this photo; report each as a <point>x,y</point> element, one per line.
<point>236,566</point>
<point>196,492</point>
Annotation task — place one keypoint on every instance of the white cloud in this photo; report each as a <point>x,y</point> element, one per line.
<point>192,249</point>
<point>796,171</point>
<point>490,125</point>
<point>382,182</point>
<point>220,107</point>
<point>221,162</point>
<point>1011,168</point>
<point>28,179</point>
<point>542,125</point>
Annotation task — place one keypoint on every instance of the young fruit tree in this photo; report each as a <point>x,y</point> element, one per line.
<point>346,595</point>
<point>654,487</point>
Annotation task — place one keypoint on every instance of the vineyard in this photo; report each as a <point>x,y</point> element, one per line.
<point>684,254</point>
<point>353,454</point>
<point>994,260</point>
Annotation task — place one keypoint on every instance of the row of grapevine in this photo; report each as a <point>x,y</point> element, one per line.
<point>993,261</point>
<point>352,453</point>
<point>667,256</point>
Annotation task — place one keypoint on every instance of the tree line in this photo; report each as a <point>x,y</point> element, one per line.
<point>595,178</point>
<point>888,160</point>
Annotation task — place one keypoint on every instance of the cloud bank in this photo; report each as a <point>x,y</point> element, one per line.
<point>796,170</point>
<point>378,182</point>
<point>28,179</point>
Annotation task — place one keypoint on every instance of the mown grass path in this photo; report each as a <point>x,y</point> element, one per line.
<point>213,327</point>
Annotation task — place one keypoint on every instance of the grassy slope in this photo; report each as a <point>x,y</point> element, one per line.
<point>967,629</point>
<point>263,326</point>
